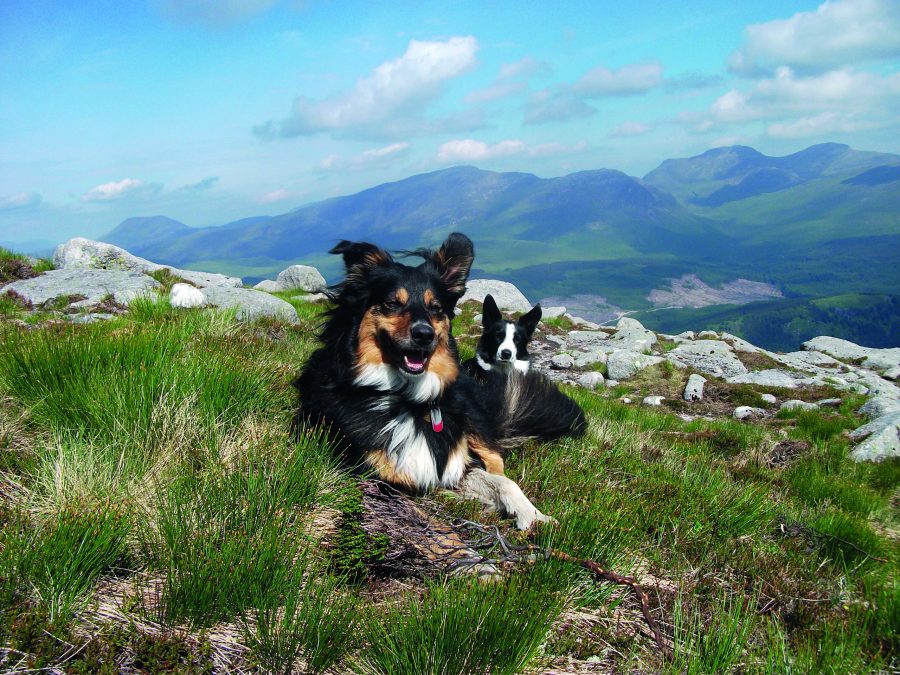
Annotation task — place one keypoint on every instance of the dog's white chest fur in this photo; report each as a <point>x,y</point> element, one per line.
<point>407,447</point>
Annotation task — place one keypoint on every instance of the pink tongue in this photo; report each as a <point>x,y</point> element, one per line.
<point>415,365</point>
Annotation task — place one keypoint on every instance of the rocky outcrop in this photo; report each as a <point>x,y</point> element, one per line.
<point>250,304</point>
<point>710,357</point>
<point>83,254</point>
<point>90,287</point>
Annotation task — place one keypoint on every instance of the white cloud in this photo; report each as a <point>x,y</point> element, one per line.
<point>396,90</point>
<point>630,128</point>
<point>470,151</point>
<point>200,186</point>
<point>818,125</point>
<point>278,195</point>
<point>636,78</point>
<point>838,33</point>
<point>364,159</point>
<point>511,80</point>
<point>21,200</point>
<point>127,188</point>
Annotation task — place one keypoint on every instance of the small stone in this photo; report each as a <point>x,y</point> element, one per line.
<point>562,361</point>
<point>883,440</point>
<point>624,364</point>
<point>301,277</point>
<point>591,380</point>
<point>708,335</point>
<point>268,286</point>
<point>653,400</point>
<point>609,384</point>
<point>892,373</point>
<point>693,390</point>
<point>746,411</point>
<point>687,335</point>
<point>185,295</point>
<point>768,398</point>
<point>625,399</point>
<point>796,404</point>
<point>878,406</point>
<point>553,312</point>
<point>830,402</point>
<point>478,318</point>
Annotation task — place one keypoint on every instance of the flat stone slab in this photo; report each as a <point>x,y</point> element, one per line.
<point>693,390</point>
<point>711,357</point>
<point>771,378</point>
<point>87,254</point>
<point>250,304</point>
<point>95,285</point>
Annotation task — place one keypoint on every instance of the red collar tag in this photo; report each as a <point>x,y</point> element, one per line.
<point>437,422</point>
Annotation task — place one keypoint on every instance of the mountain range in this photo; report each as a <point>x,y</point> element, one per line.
<point>824,221</point>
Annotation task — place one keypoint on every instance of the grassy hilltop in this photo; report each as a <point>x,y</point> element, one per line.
<point>156,517</point>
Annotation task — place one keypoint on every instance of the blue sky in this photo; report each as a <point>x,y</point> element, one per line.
<point>210,111</point>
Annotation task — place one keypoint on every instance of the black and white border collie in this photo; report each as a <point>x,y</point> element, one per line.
<point>504,344</point>
<point>387,382</point>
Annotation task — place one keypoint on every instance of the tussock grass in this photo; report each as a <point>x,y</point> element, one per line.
<point>463,626</point>
<point>59,560</point>
<point>712,641</point>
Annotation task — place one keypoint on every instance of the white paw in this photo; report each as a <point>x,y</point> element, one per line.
<point>524,521</point>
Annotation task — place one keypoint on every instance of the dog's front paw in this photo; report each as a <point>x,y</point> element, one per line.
<point>525,521</point>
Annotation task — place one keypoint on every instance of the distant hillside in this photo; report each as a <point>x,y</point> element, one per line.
<point>821,222</point>
<point>872,320</point>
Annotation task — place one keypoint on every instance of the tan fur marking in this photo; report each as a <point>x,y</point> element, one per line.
<point>367,350</point>
<point>491,457</point>
<point>387,471</point>
<point>402,295</point>
<point>428,297</point>
<point>443,364</point>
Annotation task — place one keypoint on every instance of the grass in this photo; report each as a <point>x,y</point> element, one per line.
<point>149,454</point>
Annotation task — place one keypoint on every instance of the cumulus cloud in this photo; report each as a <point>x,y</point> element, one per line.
<point>630,128</point>
<point>819,125</point>
<point>127,188</point>
<point>511,80</point>
<point>213,12</point>
<point>570,101</point>
<point>469,150</point>
<point>789,95</point>
<point>636,78</point>
<point>364,159</point>
<point>396,92</point>
<point>20,200</point>
<point>838,33</point>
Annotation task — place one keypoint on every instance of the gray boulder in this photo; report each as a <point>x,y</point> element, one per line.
<point>631,335</point>
<point>508,297</point>
<point>710,357</point>
<point>693,390</point>
<point>591,380</point>
<point>883,440</point>
<point>878,406</point>
<point>81,253</point>
<point>623,364</point>
<point>562,361</point>
<point>295,278</point>
<point>552,312</point>
<point>250,304</point>
<point>744,412</point>
<point>124,286</point>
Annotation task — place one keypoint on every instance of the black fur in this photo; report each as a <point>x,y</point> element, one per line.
<point>358,414</point>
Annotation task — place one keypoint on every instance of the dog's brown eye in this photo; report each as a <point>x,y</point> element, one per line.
<point>435,309</point>
<point>392,304</point>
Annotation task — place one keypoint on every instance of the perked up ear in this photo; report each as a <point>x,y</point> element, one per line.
<point>362,255</point>
<point>530,320</point>
<point>490,313</point>
<point>454,261</point>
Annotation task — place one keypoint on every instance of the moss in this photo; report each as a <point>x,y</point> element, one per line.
<point>354,550</point>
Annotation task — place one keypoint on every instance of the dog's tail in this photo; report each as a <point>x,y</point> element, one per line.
<point>533,407</point>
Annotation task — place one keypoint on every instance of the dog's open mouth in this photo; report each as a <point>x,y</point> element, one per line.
<point>414,362</point>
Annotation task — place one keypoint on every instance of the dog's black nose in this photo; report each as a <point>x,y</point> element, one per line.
<point>422,334</point>
<point>505,355</point>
